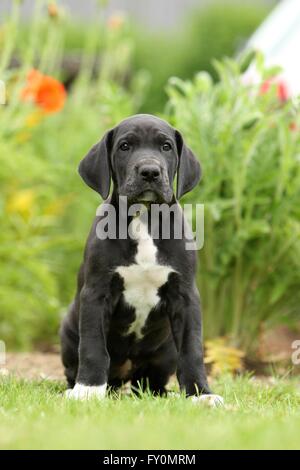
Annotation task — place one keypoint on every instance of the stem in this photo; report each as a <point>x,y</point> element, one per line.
<point>9,43</point>
<point>237,300</point>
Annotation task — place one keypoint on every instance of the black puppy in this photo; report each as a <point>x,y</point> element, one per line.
<point>136,314</point>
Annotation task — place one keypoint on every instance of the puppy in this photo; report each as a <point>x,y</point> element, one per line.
<point>136,314</point>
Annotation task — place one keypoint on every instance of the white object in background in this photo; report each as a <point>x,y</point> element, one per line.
<point>279,39</point>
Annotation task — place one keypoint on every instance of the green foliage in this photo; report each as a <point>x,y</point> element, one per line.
<point>216,29</point>
<point>249,270</point>
<point>249,147</point>
<point>221,28</point>
<point>45,210</point>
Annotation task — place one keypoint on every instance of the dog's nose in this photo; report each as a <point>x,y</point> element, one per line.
<point>149,172</point>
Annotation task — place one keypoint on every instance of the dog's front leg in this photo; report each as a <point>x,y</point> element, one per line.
<point>93,355</point>
<point>187,332</point>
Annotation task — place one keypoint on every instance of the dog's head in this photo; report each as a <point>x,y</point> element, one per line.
<point>142,155</point>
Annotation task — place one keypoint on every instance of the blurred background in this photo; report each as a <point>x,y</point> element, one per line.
<point>69,70</point>
<point>165,38</point>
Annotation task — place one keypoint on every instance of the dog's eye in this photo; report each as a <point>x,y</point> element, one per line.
<point>166,147</point>
<point>124,146</point>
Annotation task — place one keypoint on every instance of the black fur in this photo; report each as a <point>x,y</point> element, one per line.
<point>95,347</point>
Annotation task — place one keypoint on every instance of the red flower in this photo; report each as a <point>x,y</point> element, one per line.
<point>281,88</point>
<point>282,91</point>
<point>46,92</point>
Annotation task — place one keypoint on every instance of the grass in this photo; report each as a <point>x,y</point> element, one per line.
<point>34,415</point>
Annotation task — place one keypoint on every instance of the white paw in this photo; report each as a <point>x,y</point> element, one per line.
<point>174,394</point>
<point>86,392</point>
<point>209,400</point>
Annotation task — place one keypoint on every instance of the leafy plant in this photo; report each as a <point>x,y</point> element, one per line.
<point>45,211</point>
<point>248,141</point>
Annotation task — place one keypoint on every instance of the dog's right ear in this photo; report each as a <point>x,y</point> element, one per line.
<point>95,168</point>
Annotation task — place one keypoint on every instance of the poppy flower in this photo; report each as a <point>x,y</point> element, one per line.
<point>281,88</point>
<point>293,126</point>
<point>116,21</point>
<point>53,11</point>
<point>45,91</point>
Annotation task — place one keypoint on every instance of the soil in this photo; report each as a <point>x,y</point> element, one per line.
<point>275,349</point>
<point>33,365</point>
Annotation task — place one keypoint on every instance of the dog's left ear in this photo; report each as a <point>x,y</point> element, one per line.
<point>95,169</point>
<point>188,170</point>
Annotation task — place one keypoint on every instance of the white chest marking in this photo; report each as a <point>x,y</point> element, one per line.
<point>143,279</point>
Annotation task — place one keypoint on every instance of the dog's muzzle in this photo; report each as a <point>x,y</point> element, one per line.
<point>148,182</point>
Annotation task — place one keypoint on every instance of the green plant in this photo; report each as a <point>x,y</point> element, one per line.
<point>248,142</point>
<point>45,210</point>
<point>210,31</point>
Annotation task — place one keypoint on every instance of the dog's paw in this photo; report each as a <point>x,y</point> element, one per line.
<point>86,392</point>
<point>209,400</point>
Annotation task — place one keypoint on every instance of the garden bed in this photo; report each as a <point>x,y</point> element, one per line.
<point>39,365</point>
<point>34,365</point>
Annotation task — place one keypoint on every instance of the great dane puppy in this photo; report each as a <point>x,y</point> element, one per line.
<point>136,314</point>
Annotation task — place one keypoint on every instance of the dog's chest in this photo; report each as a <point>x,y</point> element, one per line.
<point>143,278</point>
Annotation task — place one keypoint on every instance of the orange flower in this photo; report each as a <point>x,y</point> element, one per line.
<point>115,21</point>
<point>53,10</point>
<point>293,126</point>
<point>46,92</point>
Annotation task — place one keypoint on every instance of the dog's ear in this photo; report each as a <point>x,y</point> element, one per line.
<point>188,170</point>
<point>95,168</point>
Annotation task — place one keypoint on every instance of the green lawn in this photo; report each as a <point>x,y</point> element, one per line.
<point>35,415</point>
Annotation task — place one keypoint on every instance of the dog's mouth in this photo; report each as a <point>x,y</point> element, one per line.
<point>148,196</point>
